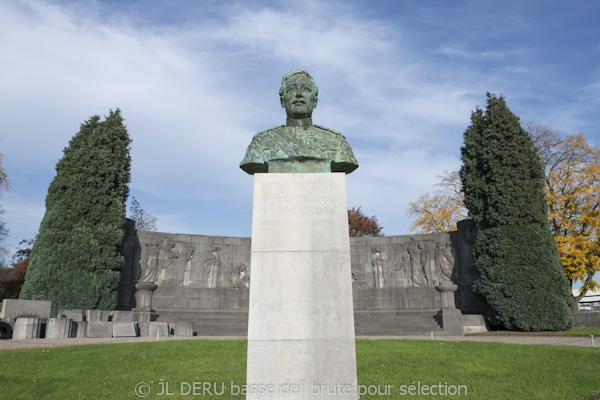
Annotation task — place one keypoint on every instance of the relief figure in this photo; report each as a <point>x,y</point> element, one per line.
<point>148,269</point>
<point>241,280</point>
<point>212,266</point>
<point>378,259</point>
<point>444,262</point>
<point>419,265</point>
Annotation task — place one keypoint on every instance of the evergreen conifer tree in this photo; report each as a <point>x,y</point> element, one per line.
<point>76,259</point>
<point>521,279</point>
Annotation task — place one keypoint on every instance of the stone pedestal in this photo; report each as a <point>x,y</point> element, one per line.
<point>301,322</point>
<point>452,318</point>
<point>447,293</point>
<point>144,296</point>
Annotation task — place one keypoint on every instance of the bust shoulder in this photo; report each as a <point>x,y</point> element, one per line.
<point>328,130</point>
<point>266,131</point>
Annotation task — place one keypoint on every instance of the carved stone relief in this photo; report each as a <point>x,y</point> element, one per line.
<point>401,268</point>
<point>419,264</point>
<point>212,267</point>
<point>148,271</point>
<point>171,263</point>
<point>412,261</point>
<point>444,263</point>
<point>241,280</point>
<point>378,261</point>
<point>183,263</point>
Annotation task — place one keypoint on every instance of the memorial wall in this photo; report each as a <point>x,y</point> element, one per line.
<point>193,272</point>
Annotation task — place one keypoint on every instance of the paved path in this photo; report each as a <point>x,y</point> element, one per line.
<point>582,341</point>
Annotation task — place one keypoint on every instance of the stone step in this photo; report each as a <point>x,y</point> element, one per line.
<point>366,321</point>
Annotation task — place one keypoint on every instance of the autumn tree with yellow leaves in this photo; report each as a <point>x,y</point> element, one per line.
<point>440,211</point>
<point>572,170</point>
<point>572,177</point>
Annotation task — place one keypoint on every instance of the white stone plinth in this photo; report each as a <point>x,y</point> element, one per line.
<point>301,321</point>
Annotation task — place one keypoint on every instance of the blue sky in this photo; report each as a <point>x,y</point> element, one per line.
<point>195,80</point>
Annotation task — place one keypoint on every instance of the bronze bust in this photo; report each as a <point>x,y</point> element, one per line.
<point>298,146</point>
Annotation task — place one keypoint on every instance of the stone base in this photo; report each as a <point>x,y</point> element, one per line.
<point>301,322</point>
<point>452,322</point>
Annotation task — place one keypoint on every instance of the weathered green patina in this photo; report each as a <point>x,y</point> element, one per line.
<point>298,146</point>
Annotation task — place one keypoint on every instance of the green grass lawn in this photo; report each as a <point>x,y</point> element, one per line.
<point>571,332</point>
<point>487,370</point>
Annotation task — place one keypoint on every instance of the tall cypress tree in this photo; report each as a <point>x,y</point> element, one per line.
<point>521,279</point>
<point>76,259</point>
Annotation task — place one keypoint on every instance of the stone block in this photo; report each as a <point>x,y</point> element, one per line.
<point>209,303</point>
<point>59,328</point>
<point>27,327</point>
<point>144,329</point>
<point>122,316</point>
<point>474,323</point>
<point>12,309</point>
<point>125,329</point>
<point>158,328</point>
<point>75,315</point>
<point>452,322</point>
<point>99,329</point>
<point>239,293</point>
<point>182,328</point>
<point>98,315</point>
<point>358,293</point>
<point>164,291</point>
<point>143,316</point>
<point>244,303</point>
<point>81,328</point>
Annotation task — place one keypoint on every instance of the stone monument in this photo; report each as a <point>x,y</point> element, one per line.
<point>300,323</point>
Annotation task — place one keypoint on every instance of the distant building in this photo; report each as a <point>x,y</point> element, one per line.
<point>590,302</point>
